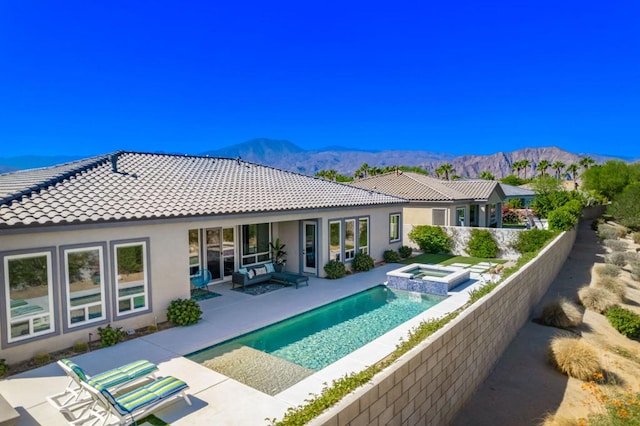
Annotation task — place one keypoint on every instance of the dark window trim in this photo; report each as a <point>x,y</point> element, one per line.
<point>63,286</point>
<point>114,278</point>
<point>55,310</point>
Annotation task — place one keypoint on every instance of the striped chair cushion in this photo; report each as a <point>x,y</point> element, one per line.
<point>123,374</point>
<point>75,368</point>
<point>146,395</point>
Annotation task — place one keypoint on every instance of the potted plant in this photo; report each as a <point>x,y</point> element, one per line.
<point>278,255</point>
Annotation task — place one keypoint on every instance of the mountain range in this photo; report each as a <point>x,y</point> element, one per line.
<point>286,155</point>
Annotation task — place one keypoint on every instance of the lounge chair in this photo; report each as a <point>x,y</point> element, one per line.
<point>131,406</point>
<point>112,379</point>
<point>201,279</point>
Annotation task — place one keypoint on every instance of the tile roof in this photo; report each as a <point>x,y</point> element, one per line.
<point>418,187</point>
<point>516,191</point>
<point>412,186</point>
<point>151,186</point>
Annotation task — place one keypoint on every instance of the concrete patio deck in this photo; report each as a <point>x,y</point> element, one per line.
<point>216,398</point>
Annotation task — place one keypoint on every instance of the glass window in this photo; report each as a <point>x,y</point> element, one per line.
<point>335,241</point>
<point>131,274</point>
<point>492,213</point>
<point>438,217</point>
<point>460,211</point>
<point>29,291</point>
<point>84,285</point>
<point>228,251</point>
<point>363,235</point>
<point>394,227</point>
<point>255,243</point>
<point>194,251</point>
<point>349,239</point>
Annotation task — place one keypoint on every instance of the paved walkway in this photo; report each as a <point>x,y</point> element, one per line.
<point>218,399</point>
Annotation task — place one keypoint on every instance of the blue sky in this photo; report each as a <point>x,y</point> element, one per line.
<point>460,77</point>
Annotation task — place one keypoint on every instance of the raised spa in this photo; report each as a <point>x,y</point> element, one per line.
<point>431,279</point>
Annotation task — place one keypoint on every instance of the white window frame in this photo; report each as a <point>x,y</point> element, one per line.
<point>349,253</point>
<point>145,280</point>
<point>67,290</point>
<point>461,214</point>
<point>34,318</point>
<point>394,228</point>
<point>336,254</point>
<point>363,247</point>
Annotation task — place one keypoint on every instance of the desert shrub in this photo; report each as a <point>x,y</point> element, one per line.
<point>625,321</point>
<point>560,313</point>
<point>335,269</point>
<point>636,237</point>
<point>431,239</point>
<point>42,358</point>
<point>613,285</point>
<point>562,219</point>
<point>608,270</point>
<point>616,258</point>
<point>557,420</point>
<point>597,299</point>
<point>109,336</point>
<point>574,357</point>
<point>4,367</point>
<point>607,232</point>
<point>362,262</point>
<point>532,240</point>
<point>631,257</point>
<point>184,312</point>
<point>391,256</point>
<point>615,245</point>
<point>80,347</point>
<point>482,244</point>
<point>635,270</point>
<point>405,252</point>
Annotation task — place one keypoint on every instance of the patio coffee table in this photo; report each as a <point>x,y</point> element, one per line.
<point>288,278</point>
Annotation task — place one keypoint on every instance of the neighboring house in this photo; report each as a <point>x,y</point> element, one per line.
<point>114,238</point>
<point>473,202</point>
<point>525,195</point>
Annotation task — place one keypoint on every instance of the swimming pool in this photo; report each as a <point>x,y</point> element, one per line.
<point>432,279</point>
<point>278,356</point>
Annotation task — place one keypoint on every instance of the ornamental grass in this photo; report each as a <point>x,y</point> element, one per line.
<point>561,313</point>
<point>597,299</point>
<point>574,357</point>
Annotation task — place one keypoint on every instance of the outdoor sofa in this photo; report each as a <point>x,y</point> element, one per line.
<point>263,273</point>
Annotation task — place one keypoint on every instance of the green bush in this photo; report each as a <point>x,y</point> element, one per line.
<point>532,240</point>
<point>80,347</point>
<point>391,256</point>
<point>42,358</point>
<point>625,321</point>
<point>335,269</point>
<point>431,239</point>
<point>406,251</point>
<point>109,336</point>
<point>482,244</point>
<point>362,262</point>
<point>184,312</point>
<point>562,219</point>
<point>4,368</point>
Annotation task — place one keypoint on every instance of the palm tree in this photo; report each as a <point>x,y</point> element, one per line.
<point>328,174</point>
<point>524,164</point>
<point>362,171</point>
<point>445,169</point>
<point>586,162</point>
<point>573,169</point>
<point>543,165</point>
<point>486,174</point>
<point>515,166</point>
<point>558,166</point>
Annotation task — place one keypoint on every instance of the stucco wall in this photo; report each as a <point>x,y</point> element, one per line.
<point>504,238</point>
<point>432,382</point>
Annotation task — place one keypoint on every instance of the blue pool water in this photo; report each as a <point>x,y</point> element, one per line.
<point>306,343</point>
